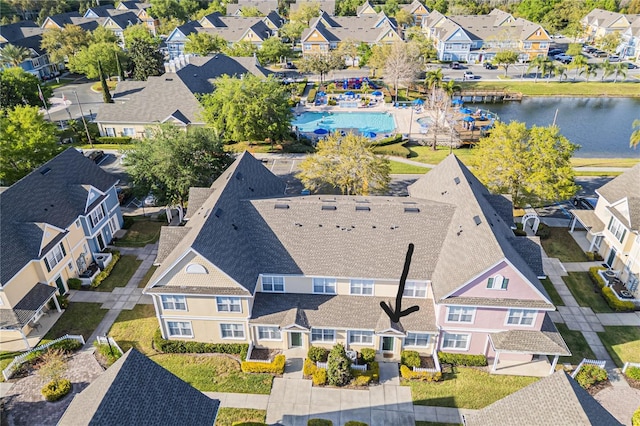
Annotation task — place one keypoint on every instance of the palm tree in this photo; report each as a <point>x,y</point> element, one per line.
<point>560,71</point>
<point>13,55</point>
<point>542,65</point>
<point>619,69</point>
<point>590,70</point>
<point>579,63</point>
<point>607,69</point>
<point>433,81</point>
<point>634,141</point>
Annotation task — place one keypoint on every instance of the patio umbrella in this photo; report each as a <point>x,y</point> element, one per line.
<point>418,102</point>
<point>349,93</point>
<point>320,94</point>
<point>345,84</point>
<point>469,119</point>
<point>466,111</point>
<point>320,131</point>
<point>457,102</point>
<point>377,93</point>
<point>370,134</point>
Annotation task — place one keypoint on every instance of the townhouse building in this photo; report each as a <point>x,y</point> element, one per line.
<point>142,12</point>
<point>265,7</point>
<point>28,34</point>
<point>598,23</point>
<point>630,42</point>
<point>417,10</point>
<point>53,222</point>
<point>253,265</point>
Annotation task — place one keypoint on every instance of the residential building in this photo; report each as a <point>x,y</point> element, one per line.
<point>142,12</point>
<point>557,399</point>
<point>170,97</point>
<point>253,265</point>
<point>116,20</point>
<point>138,391</point>
<point>327,6</point>
<point>326,32</point>
<point>28,34</point>
<point>72,18</point>
<point>263,6</point>
<point>365,9</point>
<point>598,23</point>
<point>630,42</point>
<point>613,227</point>
<point>417,10</point>
<point>53,222</point>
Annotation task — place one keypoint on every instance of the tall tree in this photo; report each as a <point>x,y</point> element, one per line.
<point>579,63</point>
<point>241,48</point>
<point>542,65</point>
<point>505,58</point>
<point>146,59</point>
<point>390,7</point>
<point>18,87</point>
<point>272,50</point>
<point>204,44</point>
<point>321,64</point>
<point>608,68</point>
<point>214,6</point>
<point>137,32</point>
<point>103,35</point>
<point>305,13</point>
<point>404,18</point>
<point>532,165</point>
<point>62,44</point>
<point>248,108</point>
<point>165,9</point>
<point>292,31</point>
<point>26,141</point>
<point>86,61</point>
<point>634,141</point>
<point>347,163</point>
<point>348,50</point>
<point>402,65</point>
<point>106,94</point>
<point>609,42</point>
<point>433,81</point>
<point>171,160</point>
<point>347,7</point>
<point>13,56</point>
<point>250,12</point>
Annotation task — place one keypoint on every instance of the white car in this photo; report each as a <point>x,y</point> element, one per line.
<point>468,75</point>
<point>150,201</point>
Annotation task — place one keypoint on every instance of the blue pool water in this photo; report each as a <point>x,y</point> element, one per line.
<point>377,122</point>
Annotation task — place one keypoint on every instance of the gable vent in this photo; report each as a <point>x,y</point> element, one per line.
<point>411,210</point>
<point>477,220</point>
<point>329,208</point>
<point>281,206</point>
<point>363,208</point>
<point>218,213</point>
<point>45,171</point>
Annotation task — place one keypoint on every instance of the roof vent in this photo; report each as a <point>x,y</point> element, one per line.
<point>281,206</point>
<point>329,208</point>
<point>456,180</point>
<point>168,79</point>
<point>45,171</point>
<point>239,176</point>
<point>443,192</point>
<point>363,208</point>
<point>477,220</point>
<point>411,210</point>
<point>298,224</point>
<point>234,226</point>
<point>319,225</point>
<point>459,230</point>
<point>218,212</point>
<point>394,227</point>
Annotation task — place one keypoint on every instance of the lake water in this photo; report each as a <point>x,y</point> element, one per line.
<point>601,126</point>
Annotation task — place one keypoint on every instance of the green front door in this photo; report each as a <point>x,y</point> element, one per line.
<point>60,285</point>
<point>387,344</point>
<point>296,340</point>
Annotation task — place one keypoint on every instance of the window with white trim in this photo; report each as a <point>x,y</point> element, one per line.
<point>324,285</point>
<point>110,131</point>
<point>460,314</point>
<point>521,317</point>
<point>128,131</point>
<point>363,287</point>
<point>498,283</point>
<point>527,45</point>
<point>323,335</point>
<point>114,225</point>
<point>416,339</point>
<point>55,256</point>
<point>455,341</point>
<point>272,283</point>
<point>617,229</point>
<point>229,304</point>
<point>415,289</point>
<point>232,331</point>
<point>174,303</point>
<point>269,333</point>
<point>180,328</point>
<point>361,337</point>
<point>97,215</point>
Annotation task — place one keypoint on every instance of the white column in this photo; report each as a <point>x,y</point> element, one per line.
<point>24,337</point>
<point>55,300</point>
<point>593,243</point>
<point>573,224</point>
<point>553,364</point>
<point>495,361</point>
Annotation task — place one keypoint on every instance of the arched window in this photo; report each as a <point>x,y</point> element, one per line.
<point>195,268</point>
<point>498,282</point>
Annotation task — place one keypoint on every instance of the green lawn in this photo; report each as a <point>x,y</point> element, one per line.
<point>147,277</point>
<point>577,345</point>
<point>398,168</point>
<point>426,154</point>
<point>586,292</point>
<point>143,231</point>
<point>467,388</point>
<point>228,416</point>
<point>555,88</point>
<point>206,372</point>
<point>623,343</point>
<point>121,273</point>
<point>561,244</point>
<point>5,359</point>
<point>78,318</point>
<point>604,162</point>
<point>553,293</point>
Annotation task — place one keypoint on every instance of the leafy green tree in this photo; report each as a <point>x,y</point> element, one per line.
<point>63,44</point>
<point>171,160</point>
<point>137,32</point>
<point>560,71</point>
<point>425,46</point>
<point>106,94</point>
<point>272,50</point>
<point>305,13</point>
<point>347,163</point>
<point>542,65</point>
<point>250,11</point>
<point>241,48</point>
<point>146,59</point>
<point>204,44</point>
<point>321,64</point>
<point>86,61</point>
<point>338,367</point>
<point>347,7</point>
<point>634,141</point>
<point>347,49</point>
<point>248,109</point>
<point>18,87</point>
<point>609,42</point>
<point>378,58</point>
<point>13,56</point>
<point>292,31</point>
<point>364,53</point>
<point>534,10</point>
<point>433,81</point>
<point>390,7</point>
<point>103,35</point>
<point>404,18</point>
<point>169,24</point>
<point>574,49</point>
<point>26,142</point>
<point>633,7</point>
<point>505,58</point>
<point>608,68</point>
<point>53,365</point>
<point>532,165</point>
<point>166,9</point>
<point>214,6</point>
<point>591,70</point>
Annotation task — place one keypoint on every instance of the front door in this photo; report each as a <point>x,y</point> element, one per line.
<point>387,344</point>
<point>295,339</point>
<point>60,284</point>
<point>612,257</point>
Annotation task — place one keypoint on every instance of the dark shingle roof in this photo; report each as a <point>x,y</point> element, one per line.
<point>170,236</point>
<point>546,341</point>
<point>529,249</point>
<point>197,197</point>
<point>554,400</point>
<point>137,391</point>
<point>56,197</point>
<point>26,307</point>
<point>19,30</point>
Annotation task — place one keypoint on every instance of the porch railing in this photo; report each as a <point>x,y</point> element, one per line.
<point>109,341</point>
<point>359,367</point>
<point>250,351</point>
<point>629,364</point>
<point>322,365</point>
<point>586,361</point>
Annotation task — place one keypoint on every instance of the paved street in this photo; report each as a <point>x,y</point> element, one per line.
<point>90,101</point>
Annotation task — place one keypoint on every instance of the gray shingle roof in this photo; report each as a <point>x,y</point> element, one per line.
<point>530,249</point>
<point>589,220</point>
<point>137,391</point>
<point>26,307</point>
<point>337,311</point>
<point>56,198</point>
<point>625,186</point>
<point>546,341</point>
<point>338,28</point>
<point>19,30</point>
<point>554,400</point>
<point>264,6</point>
<point>197,197</point>
<point>494,301</point>
<point>170,236</point>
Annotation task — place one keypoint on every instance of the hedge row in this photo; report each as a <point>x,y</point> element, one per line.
<point>396,149</point>
<point>590,375</point>
<point>53,391</point>
<point>184,347</point>
<point>311,98</point>
<point>635,420</point>
<point>319,422</point>
<point>274,367</point>
<point>595,276</point>
<point>106,271</point>
<point>115,140</point>
<point>74,283</point>
<point>387,141</point>
<point>423,376</point>
<point>410,358</point>
<point>462,359</point>
<point>615,303</point>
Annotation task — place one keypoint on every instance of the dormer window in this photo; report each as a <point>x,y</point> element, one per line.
<point>97,215</point>
<point>195,268</point>
<point>498,283</point>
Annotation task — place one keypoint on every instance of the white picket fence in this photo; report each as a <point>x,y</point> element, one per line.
<point>586,361</point>
<point>322,365</point>
<point>353,366</point>
<point>250,351</point>
<point>629,364</point>
<point>13,366</point>
<point>106,341</point>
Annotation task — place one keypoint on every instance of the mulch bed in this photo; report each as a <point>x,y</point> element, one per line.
<point>594,389</point>
<point>427,362</point>
<point>264,354</point>
<point>632,382</point>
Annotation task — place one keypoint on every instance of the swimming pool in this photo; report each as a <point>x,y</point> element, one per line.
<point>376,122</point>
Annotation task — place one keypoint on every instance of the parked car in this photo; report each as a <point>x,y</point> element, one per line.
<point>631,65</point>
<point>585,203</point>
<point>565,59</point>
<point>588,49</point>
<point>488,65</point>
<point>554,52</point>
<point>455,65</point>
<point>290,66</point>
<point>599,54</point>
<point>614,58</point>
<point>95,156</point>
<point>150,201</point>
<point>468,75</point>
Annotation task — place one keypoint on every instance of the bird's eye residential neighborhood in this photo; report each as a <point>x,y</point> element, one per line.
<point>319,212</point>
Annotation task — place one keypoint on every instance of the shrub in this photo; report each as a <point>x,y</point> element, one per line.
<point>543,231</point>
<point>635,420</point>
<point>67,345</point>
<point>397,149</point>
<point>633,373</point>
<point>274,367</point>
<point>54,390</point>
<point>110,354</point>
<point>116,140</point>
<point>74,283</point>
<point>368,355</point>
<point>319,422</point>
<point>355,423</point>
<point>182,347</point>
<point>297,148</point>
<point>338,371</point>
<point>332,102</point>
<point>318,354</point>
<point>373,372</point>
<point>615,303</point>
<point>462,359</point>
<point>106,271</point>
<point>594,255</point>
<point>361,381</point>
<point>595,276</point>
<point>519,233</point>
<point>63,301</point>
<point>309,367</point>
<point>128,221</point>
<point>590,375</point>
<point>410,358</point>
<point>311,98</point>
<point>422,376</point>
<point>387,141</point>
<point>319,377</point>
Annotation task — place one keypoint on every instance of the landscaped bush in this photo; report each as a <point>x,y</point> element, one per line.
<point>593,255</point>
<point>319,422</point>
<point>183,347</point>
<point>590,375</point>
<point>311,98</point>
<point>110,354</point>
<point>74,283</point>
<point>116,140</point>
<point>318,354</point>
<point>274,367</point>
<point>298,148</point>
<point>106,271</point>
<point>595,276</point>
<point>63,302</point>
<point>55,390</point>
<point>633,373</point>
<point>309,367</point>
<point>410,358</point>
<point>67,346</point>
<point>387,141</point>
<point>368,355</point>
<point>615,303</point>
<point>422,376</point>
<point>373,372</point>
<point>355,423</point>
<point>635,420</point>
<point>543,231</point>
<point>397,149</point>
<point>361,381</point>
<point>462,359</point>
<point>338,371</point>
<point>319,377</point>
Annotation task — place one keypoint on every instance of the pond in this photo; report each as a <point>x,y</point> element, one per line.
<point>601,126</point>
